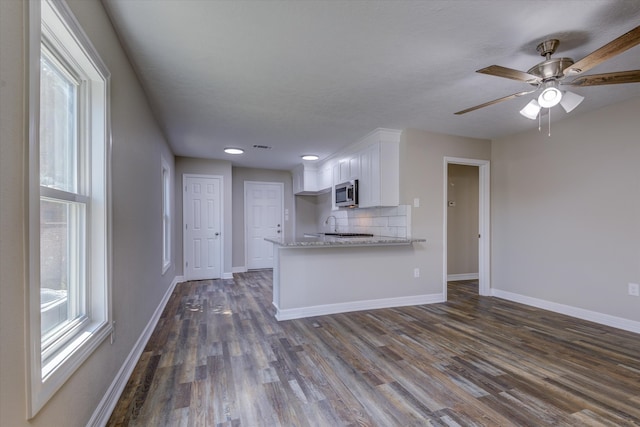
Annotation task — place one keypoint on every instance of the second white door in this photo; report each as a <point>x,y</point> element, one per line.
<point>263,205</point>
<point>202,227</point>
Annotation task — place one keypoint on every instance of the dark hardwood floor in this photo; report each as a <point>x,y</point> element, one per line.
<point>219,358</point>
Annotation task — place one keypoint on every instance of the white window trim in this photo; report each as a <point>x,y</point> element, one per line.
<point>167,239</point>
<point>44,381</point>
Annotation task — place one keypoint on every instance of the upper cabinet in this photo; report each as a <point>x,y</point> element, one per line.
<point>379,182</point>
<point>309,180</point>
<point>304,180</point>
<point>374,161</point>
<point>325,177</point>
<point>346,169</point>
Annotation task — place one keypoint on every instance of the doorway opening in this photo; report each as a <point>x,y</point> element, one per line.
<point>466,226</point>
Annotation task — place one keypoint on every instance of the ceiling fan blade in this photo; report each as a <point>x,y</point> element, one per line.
<point>609,50</point>
<point>632,76</point>
<point>495,101</point>
<point>509,73</point>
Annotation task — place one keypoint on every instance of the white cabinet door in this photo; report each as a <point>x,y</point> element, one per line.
<point>325,178</point>
<point>305,180</point>
<point>297,176</point>
<point>369,183</point>
<point>336,174</point>
<point>344,171</point>
<point>202,228</point>
<point>349,169</point>
<point>388,170</point>
<point>379,183</point>
<point>354,167</point>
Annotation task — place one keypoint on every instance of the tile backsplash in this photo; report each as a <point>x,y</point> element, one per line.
<point>383,221</point>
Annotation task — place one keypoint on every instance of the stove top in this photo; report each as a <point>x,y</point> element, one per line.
<point>349,234</point>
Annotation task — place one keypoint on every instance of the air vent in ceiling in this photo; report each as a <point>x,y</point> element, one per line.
<point>262,147</point>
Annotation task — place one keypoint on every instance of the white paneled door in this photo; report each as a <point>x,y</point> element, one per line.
<point>202,227</point>
<point>263,218</point>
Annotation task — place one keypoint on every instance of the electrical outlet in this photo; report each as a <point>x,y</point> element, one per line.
<point>416,272</point>
<point>634,289</point>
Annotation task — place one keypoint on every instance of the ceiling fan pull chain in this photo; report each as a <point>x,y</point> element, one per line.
<point>549,121</point>
<point>540,121</point>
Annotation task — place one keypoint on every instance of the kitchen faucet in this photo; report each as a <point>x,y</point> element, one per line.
<point>335,223</point>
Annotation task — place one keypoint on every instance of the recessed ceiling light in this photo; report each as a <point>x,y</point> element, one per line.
<point>310,157</point>
<point>231,150</point>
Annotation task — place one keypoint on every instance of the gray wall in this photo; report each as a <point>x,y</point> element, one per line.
<point>462,219</point>
<point>138,285</point>
<point>566,211</point>
<point>189,165</point>
<point>422,176</point>
<point>240,175</point>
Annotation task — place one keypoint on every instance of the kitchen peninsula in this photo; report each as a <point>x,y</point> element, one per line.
<point>324,274</point>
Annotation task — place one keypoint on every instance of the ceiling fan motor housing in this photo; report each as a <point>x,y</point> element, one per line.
<point>551,69</point>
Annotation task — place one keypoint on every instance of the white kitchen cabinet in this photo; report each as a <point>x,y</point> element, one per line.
<point>379,182</point>
<point>347,169</point>
<point>344,170</point>
<point>305,180</point>
<point>374,161</point>
<point>354,167</point>
<point>308,180</point>
<point>325,177</point>
<point>369,176</point>
<point>336,174</point>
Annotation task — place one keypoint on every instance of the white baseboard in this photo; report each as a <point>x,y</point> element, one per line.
<point>580,313</point>
<point>240,269</point>
<point>106,406</point>
<point>465,276</point>
<point>227,276</point>
<point>319,310</point>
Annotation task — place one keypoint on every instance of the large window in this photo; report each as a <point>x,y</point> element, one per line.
<point>69,292</point>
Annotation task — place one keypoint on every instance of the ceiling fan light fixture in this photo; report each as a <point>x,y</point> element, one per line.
<point>570,101</point>
<point>531,110</point>
<point>550,96</point>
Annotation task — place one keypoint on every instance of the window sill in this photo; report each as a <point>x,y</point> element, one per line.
<point>61,366</point>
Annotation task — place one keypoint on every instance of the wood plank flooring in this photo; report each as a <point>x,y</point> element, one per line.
<point>219,358</point>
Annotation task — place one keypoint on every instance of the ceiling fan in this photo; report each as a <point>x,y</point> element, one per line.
<point>550,74</point>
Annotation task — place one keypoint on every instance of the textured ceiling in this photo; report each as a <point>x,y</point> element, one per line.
<point>314,76</point>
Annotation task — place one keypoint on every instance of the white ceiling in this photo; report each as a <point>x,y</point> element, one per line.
<point>314,76</point>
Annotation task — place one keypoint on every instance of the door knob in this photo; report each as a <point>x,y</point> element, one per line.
<point>217,234</point>
<point>279,231</point>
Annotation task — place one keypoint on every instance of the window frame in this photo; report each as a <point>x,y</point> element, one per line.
<point>53,27</point>
<point>167,216</point>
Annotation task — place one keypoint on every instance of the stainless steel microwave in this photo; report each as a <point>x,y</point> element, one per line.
<point>346,194</point>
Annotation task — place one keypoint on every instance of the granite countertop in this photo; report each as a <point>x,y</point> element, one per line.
<point>322,240</point>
